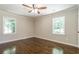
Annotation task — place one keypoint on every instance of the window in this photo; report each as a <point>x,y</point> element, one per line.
<point>9,25</point>
<point>59,25</point>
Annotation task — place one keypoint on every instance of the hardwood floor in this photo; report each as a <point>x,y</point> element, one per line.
<point>37,46</point>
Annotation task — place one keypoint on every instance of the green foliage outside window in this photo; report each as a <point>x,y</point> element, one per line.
<point>58,25</point>
<point>9,25</point>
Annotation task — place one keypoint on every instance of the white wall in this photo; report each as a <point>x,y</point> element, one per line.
<point>24,27</point>
<point>43,27</point>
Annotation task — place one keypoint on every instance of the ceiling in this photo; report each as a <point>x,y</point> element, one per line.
<point>22,10</point>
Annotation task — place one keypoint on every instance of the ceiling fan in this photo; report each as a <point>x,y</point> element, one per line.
<point>34,7</point>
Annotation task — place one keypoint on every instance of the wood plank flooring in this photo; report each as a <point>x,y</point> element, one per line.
<point>37,46</point>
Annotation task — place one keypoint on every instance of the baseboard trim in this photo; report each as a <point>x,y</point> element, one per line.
<point>3,42</point>
<point>59,42</point>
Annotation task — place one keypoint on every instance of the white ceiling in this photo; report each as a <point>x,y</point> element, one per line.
<point>21,10</point>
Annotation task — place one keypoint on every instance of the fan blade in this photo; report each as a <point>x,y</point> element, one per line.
<point>30,11</point>
<point>42,7</point>
<point>38,12</point>
<point>26,6</point>
<point>33,6</point>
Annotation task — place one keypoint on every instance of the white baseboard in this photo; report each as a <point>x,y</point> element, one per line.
<point>2,42</point>
<point>60,42</point>
<point>38,37</point>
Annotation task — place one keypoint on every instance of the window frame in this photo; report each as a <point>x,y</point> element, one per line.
<point>5,18</point>
<point>53,25</point>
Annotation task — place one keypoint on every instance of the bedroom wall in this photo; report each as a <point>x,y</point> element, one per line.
<point>24,27</point>
<point>43,27</point>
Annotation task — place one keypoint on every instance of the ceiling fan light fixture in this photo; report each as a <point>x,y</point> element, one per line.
<point>35,8</point>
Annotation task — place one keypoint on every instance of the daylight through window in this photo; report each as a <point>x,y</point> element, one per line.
<point>9,25</point>
<point>58,25</point>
